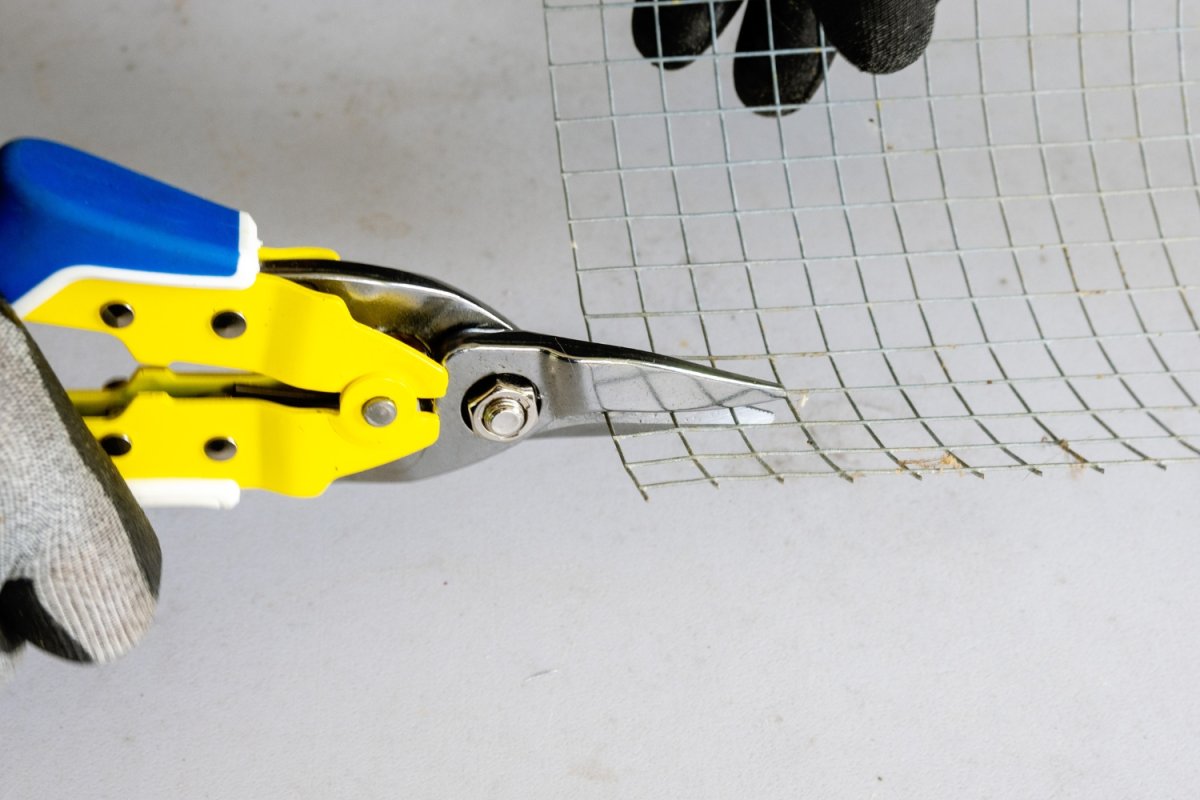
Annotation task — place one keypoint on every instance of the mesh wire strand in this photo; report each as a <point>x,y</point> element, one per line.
<point>987,261</point>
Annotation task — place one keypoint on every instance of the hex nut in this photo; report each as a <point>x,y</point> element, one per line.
<point>505,410</point>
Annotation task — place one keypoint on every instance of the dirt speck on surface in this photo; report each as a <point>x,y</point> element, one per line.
<point>381,223</point>
<point>595,771</point>
<point>947,461</point>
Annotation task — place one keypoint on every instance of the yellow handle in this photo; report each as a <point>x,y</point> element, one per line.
<point>294,334</point>
<point>275,331</point>
<point>180,426</point>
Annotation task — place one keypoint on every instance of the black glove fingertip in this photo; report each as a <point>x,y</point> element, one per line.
<point>793,26</point>
<point>683,30</point>
<point>878,36</point>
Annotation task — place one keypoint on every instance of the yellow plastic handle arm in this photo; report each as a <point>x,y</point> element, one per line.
<point>275,331</point>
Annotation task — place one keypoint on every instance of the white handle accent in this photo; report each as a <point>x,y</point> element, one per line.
<point>185,493</point>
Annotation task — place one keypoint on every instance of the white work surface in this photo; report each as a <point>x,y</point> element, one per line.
<point>530,627</point>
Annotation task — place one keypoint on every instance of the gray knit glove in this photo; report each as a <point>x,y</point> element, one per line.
<point>79,563</point>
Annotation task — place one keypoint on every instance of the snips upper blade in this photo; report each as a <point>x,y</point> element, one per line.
<point>579,386</point>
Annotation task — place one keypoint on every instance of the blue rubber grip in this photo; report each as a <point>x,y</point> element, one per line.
<point>60,207</point>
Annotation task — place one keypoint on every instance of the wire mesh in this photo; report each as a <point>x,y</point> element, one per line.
<point>989,260</point>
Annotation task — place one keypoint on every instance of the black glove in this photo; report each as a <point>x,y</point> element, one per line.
<point>876,36</point>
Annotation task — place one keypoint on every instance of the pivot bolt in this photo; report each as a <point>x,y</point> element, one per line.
<point>504,417</point>
<point>504,409</point>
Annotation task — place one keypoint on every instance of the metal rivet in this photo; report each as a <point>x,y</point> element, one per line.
<point>116,444</point>
<point>379,412</point>
<point>117,315</point>
<point>220,448</point>
<point>228,324</point>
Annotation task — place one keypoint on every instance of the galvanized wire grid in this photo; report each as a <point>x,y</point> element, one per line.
<point>987,261</point>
